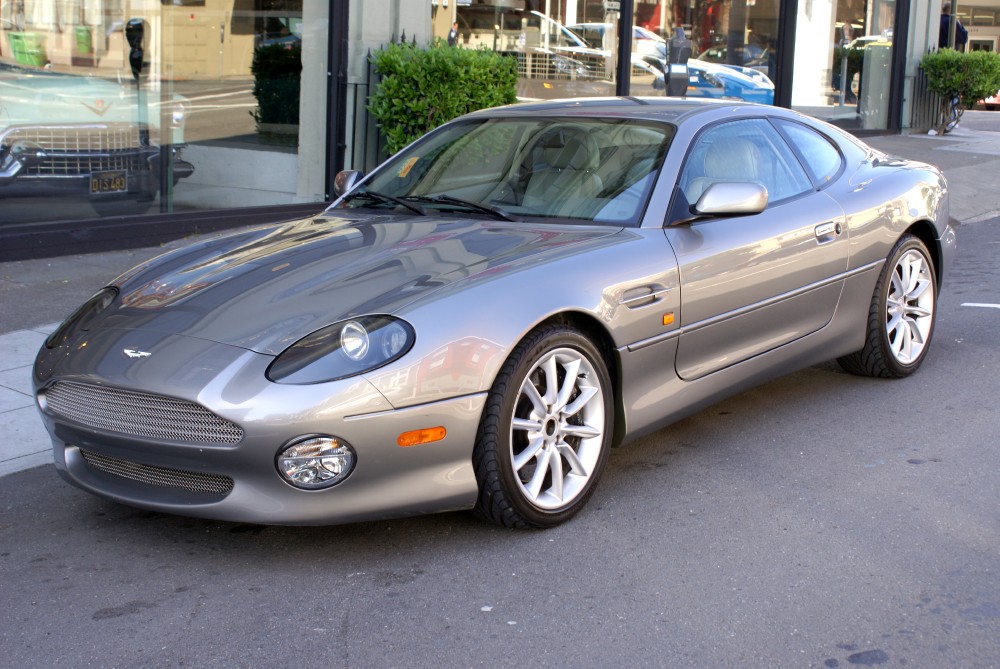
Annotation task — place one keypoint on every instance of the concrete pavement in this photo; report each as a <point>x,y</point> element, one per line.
<point>37,294</point>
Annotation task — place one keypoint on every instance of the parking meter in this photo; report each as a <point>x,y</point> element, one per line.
<point>677,57</point>
<point>135,35</point>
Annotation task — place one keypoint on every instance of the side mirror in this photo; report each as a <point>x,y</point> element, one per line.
<point>345,181</point>
<point>732,199</point>
<point>135,35</point>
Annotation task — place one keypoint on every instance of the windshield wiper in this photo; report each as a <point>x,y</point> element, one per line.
<point>496,212</point>
<point>390,199</point>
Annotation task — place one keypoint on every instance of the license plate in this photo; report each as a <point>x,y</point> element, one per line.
<point>108,182</point>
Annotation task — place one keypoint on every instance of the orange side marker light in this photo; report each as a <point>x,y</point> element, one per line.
<point>425,436</point>
<point>668,318</point>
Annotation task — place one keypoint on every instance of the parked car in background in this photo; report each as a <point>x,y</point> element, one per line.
<point>991,103</point>
<point>707,80</point>
<point>593,34</point>
<point>748,53</point>
<point>100,139</point>
<point>479,321</point>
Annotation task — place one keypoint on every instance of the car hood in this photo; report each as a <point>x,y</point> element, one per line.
<point>267,288</point>
<point>65,99</point>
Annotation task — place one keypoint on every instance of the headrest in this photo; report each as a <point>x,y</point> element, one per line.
<point>569,148</point>
<point>733,159</point>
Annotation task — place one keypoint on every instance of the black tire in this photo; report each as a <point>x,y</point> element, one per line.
<point>885,355</point>
<point>505,496</point>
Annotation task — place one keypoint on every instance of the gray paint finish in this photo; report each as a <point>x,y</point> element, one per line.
<point>687,314</point>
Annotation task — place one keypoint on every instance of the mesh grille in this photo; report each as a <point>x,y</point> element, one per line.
<point>81,150</point>
<point>140,414</point>
<point>159,476</point>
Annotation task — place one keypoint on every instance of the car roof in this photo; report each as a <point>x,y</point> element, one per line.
<point>658,108</point>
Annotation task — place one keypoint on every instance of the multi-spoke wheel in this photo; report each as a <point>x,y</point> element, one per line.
<point>901,316</point>
<point>545,431</point>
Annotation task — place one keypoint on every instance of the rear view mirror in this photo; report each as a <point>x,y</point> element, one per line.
<point>732,199</point>
<point>345,181</point>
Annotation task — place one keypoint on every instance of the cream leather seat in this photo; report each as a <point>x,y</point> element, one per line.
<point>563,178</point>
<point>734,159</point>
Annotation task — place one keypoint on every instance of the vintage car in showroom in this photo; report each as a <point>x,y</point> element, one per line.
<point>65,135</point>
<point>476,323</point>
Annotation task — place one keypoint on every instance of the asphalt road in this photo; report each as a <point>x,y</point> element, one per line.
<point>821,520</point>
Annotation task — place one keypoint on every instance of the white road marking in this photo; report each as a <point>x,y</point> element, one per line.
<point>981,304</point>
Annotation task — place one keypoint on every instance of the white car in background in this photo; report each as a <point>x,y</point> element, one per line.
<point>66,135</point>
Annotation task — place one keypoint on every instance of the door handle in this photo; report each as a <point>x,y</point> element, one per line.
<point>827,230</point>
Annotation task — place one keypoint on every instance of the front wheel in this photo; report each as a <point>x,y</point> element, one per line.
<point>901,316</point>
<point>545,432</point>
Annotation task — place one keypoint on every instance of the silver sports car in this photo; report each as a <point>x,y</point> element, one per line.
<point>476,323</point>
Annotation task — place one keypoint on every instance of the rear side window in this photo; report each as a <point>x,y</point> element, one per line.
<point>822,158</point>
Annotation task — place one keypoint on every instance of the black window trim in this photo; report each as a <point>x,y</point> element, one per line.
<point>819,186</point>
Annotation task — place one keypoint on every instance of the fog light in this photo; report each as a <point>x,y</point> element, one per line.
<point>316,462</point>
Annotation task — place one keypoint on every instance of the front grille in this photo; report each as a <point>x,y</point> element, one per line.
<point>159,476</point>
<point>82,150</point>
<point>140,414</point>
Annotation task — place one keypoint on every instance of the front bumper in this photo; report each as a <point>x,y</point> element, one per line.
<point>165,474</point>
<point>61,160</point>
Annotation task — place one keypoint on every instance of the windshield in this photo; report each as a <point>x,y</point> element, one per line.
<point>578,170</point>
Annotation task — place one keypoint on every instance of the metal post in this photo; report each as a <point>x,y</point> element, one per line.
<point>625,19</point>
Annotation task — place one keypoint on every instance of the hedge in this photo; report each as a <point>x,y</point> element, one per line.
<point>970,77</point>
<point>421,88</point>
<point>277,75</point>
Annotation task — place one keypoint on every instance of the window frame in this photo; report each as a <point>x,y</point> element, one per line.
<point>778,124</point>
<point>677,214</point>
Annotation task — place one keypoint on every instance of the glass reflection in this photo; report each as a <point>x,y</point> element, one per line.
<point>116,107</point>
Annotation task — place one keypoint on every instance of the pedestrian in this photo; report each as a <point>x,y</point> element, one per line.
<point>453,34</point>
<point>961,34</point>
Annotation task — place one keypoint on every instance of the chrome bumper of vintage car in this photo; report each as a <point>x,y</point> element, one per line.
<point>75,151</point>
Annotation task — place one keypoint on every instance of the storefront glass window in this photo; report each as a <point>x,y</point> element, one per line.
<point>843,52</point>
<point>563,48</point>
<point>705,48</point>
<point>118,107</point>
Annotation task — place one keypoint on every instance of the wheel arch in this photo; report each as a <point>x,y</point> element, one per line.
<point>924,231</point>
<point>593,329</point>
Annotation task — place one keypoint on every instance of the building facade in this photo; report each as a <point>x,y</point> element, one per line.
<point>121,120</point>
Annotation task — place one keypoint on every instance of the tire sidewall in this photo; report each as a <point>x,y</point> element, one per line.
<point>904,246</point>
<point>521,364</point>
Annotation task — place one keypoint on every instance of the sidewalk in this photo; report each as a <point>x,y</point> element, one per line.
<point>37,294</point>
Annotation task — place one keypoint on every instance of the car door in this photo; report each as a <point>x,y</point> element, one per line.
<point>752,283</point>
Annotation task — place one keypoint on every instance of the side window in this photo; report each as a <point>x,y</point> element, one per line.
<point>821,156</point>
<point>748,151</point>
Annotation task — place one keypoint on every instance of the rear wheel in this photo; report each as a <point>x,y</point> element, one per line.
<point>901,316</point>
<point>545,431</point>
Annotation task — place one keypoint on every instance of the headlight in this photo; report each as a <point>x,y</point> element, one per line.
<point>81,319</point>
<point>343,349</point>
<point>316,462</point>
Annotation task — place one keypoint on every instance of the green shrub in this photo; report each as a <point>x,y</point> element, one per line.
<point>419,89</point>
<point>277,75</point>
<point>970,77</point>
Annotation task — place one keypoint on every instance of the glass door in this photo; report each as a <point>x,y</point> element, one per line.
<point>842,61</point>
